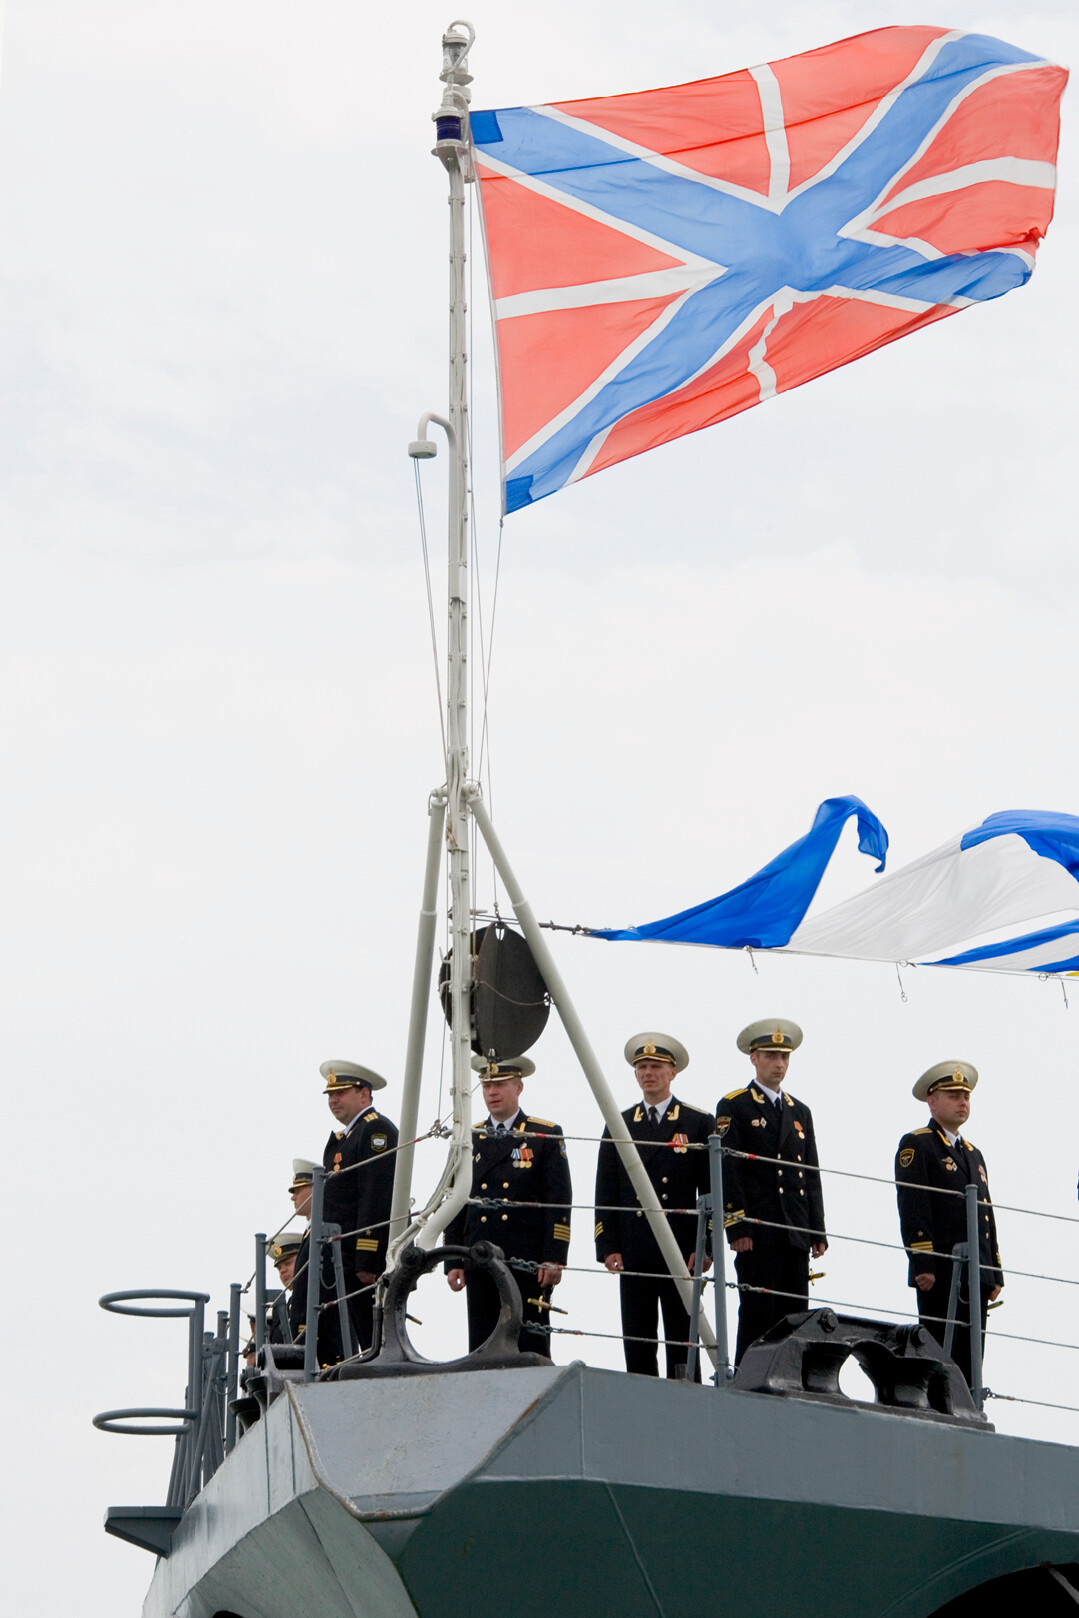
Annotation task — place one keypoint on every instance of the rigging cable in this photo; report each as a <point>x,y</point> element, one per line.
<point>474,570</point>
<point>483,757</point>
<point>431,612</point>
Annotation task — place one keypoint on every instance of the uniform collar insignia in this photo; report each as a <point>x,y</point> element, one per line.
<point>755,1093</point>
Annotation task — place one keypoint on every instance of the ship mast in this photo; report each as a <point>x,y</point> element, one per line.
<point>460,803</point>
<point>452,147</point>
<point>453,801</point>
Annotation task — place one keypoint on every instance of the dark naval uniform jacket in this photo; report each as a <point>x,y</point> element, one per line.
<point>329,1332</point>
<point>679,1175</point>
<point>360,1201</point>
<point>925,1165</point>
<point>787,1193</point>
<point>527,1164</point>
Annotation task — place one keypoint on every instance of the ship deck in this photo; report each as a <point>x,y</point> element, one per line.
<point>592,1492</point>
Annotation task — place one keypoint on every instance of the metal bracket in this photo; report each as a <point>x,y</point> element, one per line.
<point>803,1355</point>
<point>398,1357</point>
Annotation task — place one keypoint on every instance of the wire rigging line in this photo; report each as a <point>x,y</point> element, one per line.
<point>483,768</point>
<point>431,611</point>
<point>476,620</point>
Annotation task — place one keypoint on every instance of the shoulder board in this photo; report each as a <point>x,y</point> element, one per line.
<point>923,1131</point>
<point>735,1094</point>
<point>369,1117</point>
<point>547,1123</point>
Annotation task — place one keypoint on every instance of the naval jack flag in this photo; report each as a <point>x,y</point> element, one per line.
<point>664,260</point>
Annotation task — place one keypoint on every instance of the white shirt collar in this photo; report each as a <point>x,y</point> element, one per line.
<point>660,1106</point>
<point>507,1123</point>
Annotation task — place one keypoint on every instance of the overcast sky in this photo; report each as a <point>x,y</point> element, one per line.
<point>222,308</point>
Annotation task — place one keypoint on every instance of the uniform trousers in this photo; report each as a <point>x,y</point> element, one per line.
<point>782,1269</point>
<point>360,1312</point>
<point>484,1304</point>
<point>933,1314</point>
<point>643,1298</point>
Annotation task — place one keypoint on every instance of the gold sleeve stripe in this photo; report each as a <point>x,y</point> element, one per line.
<point>921,1247</point>
<point>368,1243</point>
<point>734,1218</point>
<point>599,1228</point>
<point>561,1233</point>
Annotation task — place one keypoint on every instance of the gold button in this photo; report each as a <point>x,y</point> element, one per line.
<point>483,1187</point>
<point>664,1197</point>
<point>505,1216</point>
<point>505,1185</point>
<point>483,1219</point>
<point>781,1174</point>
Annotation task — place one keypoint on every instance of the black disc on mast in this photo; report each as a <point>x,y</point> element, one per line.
<point>509,999</point>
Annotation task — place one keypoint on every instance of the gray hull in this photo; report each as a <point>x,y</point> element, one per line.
<point>588,1492</point>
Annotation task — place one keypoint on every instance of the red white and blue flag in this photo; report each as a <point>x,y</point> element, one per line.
<point>661,261</point>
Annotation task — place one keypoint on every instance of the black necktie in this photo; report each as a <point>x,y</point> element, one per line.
<point>653,1116</point>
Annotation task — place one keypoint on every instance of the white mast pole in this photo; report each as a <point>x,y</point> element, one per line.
<point>463,798</point>
<point>451,146</point>
<point>452,149</point>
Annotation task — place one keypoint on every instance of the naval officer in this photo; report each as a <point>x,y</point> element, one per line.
<point>665,1130</point>
<point>520,1175</point>
<point>359,1160</point>
<point>283,1250</point>
<point>329,1325</point>
<point>929,1163</point>
<point>779,1187</point>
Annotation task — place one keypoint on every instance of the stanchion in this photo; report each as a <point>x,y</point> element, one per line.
<point>719,1257</point>
<point>260,1290</point>
<point>232,1387</point>
<point>974,1293</point>
<point>314,1276</point>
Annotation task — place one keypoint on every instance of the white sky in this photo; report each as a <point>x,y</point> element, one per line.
<point>222,308</point>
